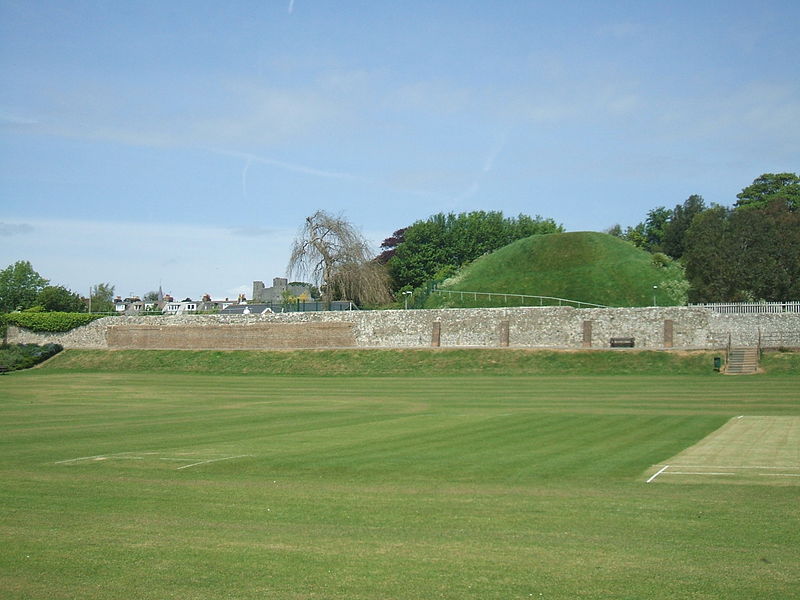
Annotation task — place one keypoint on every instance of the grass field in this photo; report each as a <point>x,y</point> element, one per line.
<point>117,484</point>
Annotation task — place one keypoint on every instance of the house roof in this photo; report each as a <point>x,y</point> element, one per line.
<point>239,309</point>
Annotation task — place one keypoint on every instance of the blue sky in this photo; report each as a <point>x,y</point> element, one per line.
<point>183,143</point>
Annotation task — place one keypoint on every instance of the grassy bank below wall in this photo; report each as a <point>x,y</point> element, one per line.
<point>394,362</point>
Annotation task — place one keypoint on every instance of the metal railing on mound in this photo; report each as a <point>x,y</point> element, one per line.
<point>537,300</point>
<point>750,308</point>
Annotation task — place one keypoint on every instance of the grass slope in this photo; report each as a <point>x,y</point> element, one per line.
<point>418,362</point>
<point>480,487</point>
<point>391,362</point>
<point>586,266</point>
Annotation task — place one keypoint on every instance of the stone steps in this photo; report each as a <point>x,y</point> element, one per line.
<point>742,361</point>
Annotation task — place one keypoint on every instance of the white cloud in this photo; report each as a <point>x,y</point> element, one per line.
<point>257,115</point>
<point>253,231</point>
<point>757,115</point>
<point>187,260</point>
<point>8,118</point>
<point>229,113</point>
<point>9,229</point>
<point>433,97</point>
<point>621,30</point>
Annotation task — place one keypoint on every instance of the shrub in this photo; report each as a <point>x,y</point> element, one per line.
<point>23,356</point>
<point>660,260</point>
<point>52,322</point>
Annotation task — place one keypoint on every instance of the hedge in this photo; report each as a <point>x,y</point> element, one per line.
<point>50,322</point>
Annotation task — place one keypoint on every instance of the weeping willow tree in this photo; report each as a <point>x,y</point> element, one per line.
<point>331,252</point>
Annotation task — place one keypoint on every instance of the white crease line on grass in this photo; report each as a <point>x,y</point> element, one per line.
<point>97,457</point>
<point>204,462</point>
<point>69,460</point>
<point>664,468</point>
<point>779,474</point>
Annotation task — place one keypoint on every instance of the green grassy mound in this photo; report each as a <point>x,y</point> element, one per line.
<point>440,362</point>
<point>586,266</point>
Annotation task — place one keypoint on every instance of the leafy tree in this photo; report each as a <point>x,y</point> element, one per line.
<point>636,235</point>
<point>710,273</point>
<point>19,286</point>
<point>744,255</point>
<point>765,244</point>
<point>336,257</point>
<point>674,237</point>
<point>151,296</point>
<point>57,298</point>
<point>102,298</point>
<point>313,291</point>
<point>421,254</point>
<point>444,242</point>
<point>389,246</point>
<point>654,226</point>
<point>750,252</point>
<point>649,235</point>
<point>769,187</point>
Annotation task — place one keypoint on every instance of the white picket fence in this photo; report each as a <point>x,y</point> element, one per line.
<point>750,308</point>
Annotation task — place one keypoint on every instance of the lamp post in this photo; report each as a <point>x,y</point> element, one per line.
<point>655,287</point>
<point>407,293</point>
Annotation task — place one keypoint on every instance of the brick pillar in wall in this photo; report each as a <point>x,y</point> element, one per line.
<point>669,326</point>
<point>504,334</point>
<point>587,334</point>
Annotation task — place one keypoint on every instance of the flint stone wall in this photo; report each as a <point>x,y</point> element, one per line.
<point>538,327</point>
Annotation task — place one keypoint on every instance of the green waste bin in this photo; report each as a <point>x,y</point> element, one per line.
<point>717,363</point>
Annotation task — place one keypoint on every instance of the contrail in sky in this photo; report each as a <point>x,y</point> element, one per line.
<point>291,6</point>
<point>251,159</point>
<point>304,169</point>
<point>286,166</point>
<point>488,165</point>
